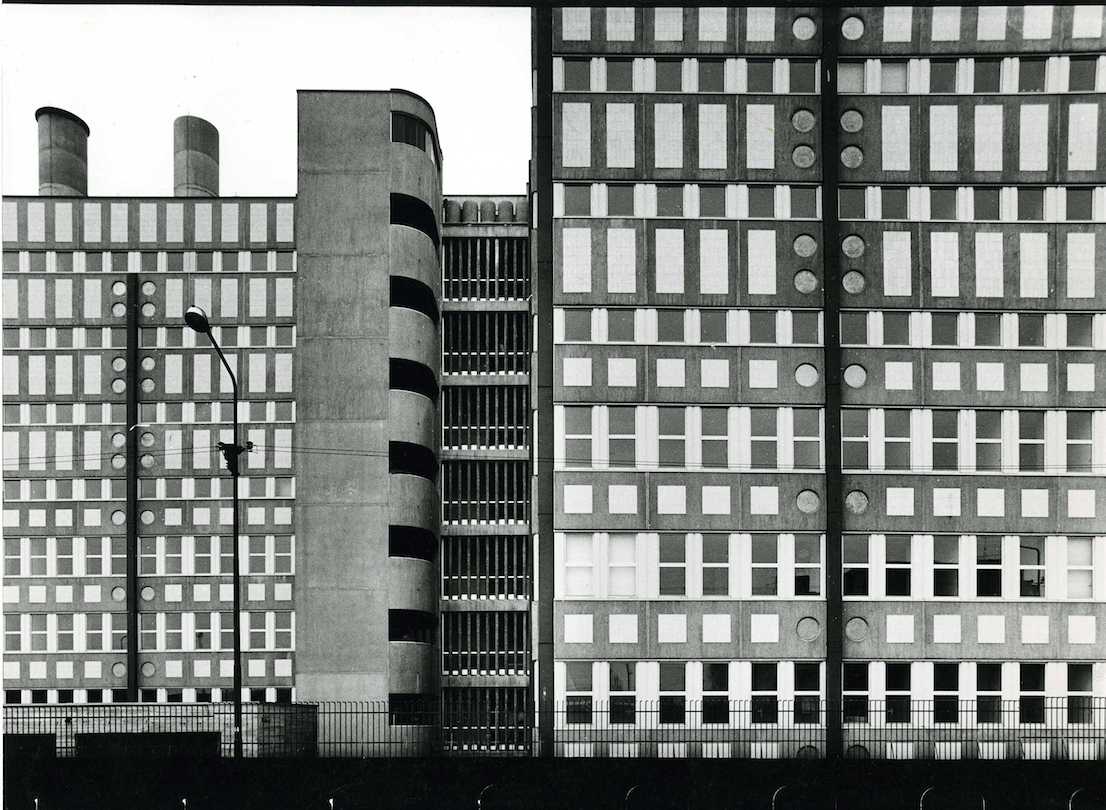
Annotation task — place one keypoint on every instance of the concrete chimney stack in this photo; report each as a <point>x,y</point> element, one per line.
<point>195,158</point>
<point>62,153</point>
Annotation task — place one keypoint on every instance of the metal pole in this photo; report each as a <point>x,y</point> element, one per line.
<point>237,574</point>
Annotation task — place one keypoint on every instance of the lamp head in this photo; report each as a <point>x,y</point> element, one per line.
<point>196,319</point>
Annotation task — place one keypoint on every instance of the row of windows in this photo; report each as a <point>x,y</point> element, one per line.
<point>644,566</point>
<point>673,372</point>
<point>896,24</point>
<point>1011,566</point>
<point>411,130</point>
<point>712,261</point>
<point>739,327</point>
<point>80,337</point>
<point>225,262</point>
<point>664,124</point>
<point>756,499</point>
<point>748,201</point>
<point>975,149</point>
<point>57,375</point>
<point>91,632</point>
<point>65,489</point>
<point>161,556</point>
<point>53,298</point>
<point>65,517</point>
<point>668,24</point>
<point>1027,74</point>
<point>970,440</point>
<point>24,597</point>
<point>80,413</point>
<point>148,222</point>
<point>711,437</point>
<point>253,694</point>
<point>1026,378</point>
<point>64,450</point>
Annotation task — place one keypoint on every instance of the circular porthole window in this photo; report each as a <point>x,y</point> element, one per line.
<point>852,121</point>
<point>856,629</point>
<point>118,439</point>
<point>808,501</point>
<point>147,440</point>
<point>802,121</point>
<point>148,309</point>
<point>118,364</point>
<point>147,594</point>
<point>853,282</point>
<point>148,363</point>
<point>118,517</point>
<point>857,502</point>
<point>803,28</point>
<point>118,309</point>
<point>146,461</point>
<point>147,517</point>
<point>149,288</point>
<point>118,288</point>
<point>118,594</point>
<point>147,385</point>
<point>856,376</point>
<point>118,462</point>
<point>852,157</point>
<point>803,156</point>
<point>808,628</point>
<point>118,385</point>
<point>852,246</point>
<point>148,669</point>
<point>118,669</point>
<point>804,246</point>
<point>806,282</point>
<point>852,28</point>
<point>806,375</point>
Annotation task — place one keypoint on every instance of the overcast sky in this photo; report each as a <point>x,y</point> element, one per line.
<point>129,71</point>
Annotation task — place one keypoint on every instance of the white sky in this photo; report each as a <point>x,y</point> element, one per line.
<point>129,71</point>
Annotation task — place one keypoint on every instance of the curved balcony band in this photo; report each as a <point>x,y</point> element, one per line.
<point>413,256</point>
<point>413,501</point>
<point>412,459</point>
<point>412,585</point>
<point>413,212</point>
<point>409,293</point>
<point>413,336</point>
<point>412,542</point>
<point>412,418</point>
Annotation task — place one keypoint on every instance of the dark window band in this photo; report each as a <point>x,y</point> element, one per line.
<point>412,459</point>
<point>412,294</point>
<point>413,131</point>
<point>408,375</point>
<point>411,625</point>
<point>412,541</point>
<point>414,213</point>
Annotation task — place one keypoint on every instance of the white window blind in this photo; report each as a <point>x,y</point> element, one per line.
<point>713,262</point>
<point>896,263</point>
<point>668,136</point>
<point>576,260</point>
<point>944,258</point>
<point>670,260</point>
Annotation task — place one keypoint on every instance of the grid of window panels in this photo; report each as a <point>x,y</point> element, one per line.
<point>67,379</point>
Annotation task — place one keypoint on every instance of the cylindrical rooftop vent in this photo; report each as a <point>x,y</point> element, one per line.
<point>195,158</point>
<point>62,153</point>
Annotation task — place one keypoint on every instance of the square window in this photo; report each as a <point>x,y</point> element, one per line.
<point>577,200</point>
<point>850,77</point>
<point>803,77</point>
<point>712,201</point>
<point>944,328</point>
<point>894,203</point>
<point>804,202</point>
<point>893,77</point>
<point>1031,75</point>
<point>620,75</point>
<point>1079,204</point>
<point>1031,204</point>
<point>712,326</point>
<point>762,202</point>
<point>854,328</point>
<point>578,324</point>
<point>988,329</point>
<point>804,327</point>
<point>986,203</point>
<point>669,75</point>
<point>762,326</point>
<point>942,76</point>
<point>1031,331</point>
<point>712,75</point>
<point>1079,333</point>
<point>942,203</point>
<point>987,73</point>
<point>670,325</point>
<point>759,73</point>
<point>620,201</point>
<point>851,203</point>
<point>855,677</point>
<point>670,201</point>
<point>896,328</point>
<point>577,74</point>
<point>620,325</point>
<point>1081,73</point>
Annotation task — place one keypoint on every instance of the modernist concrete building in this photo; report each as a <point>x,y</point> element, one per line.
<point>118,539</point>
<point>737,210</point>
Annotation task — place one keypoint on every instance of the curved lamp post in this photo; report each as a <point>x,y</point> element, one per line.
<point>197,320</point>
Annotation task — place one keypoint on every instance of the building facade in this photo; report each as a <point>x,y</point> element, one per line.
<point>745,207</point>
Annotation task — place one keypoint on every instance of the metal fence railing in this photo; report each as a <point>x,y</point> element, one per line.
<point>1031,727</point>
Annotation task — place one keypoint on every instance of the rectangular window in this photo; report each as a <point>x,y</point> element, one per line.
<point>896,439</point>
<point>854,556</point>
<point>897,684</point>
<point>854,438</point>
<point>943,138</point>
<point>988,565</point>
<point>715,438</point>
<point>671,437</point>
<point>988,121</point>
<point>1080,566</point>
<point>765,565</point>
<point>854,683</point>
<point>762,262</point>
<point>620,137</point>
<point>713,262</point>
<point>1031,700</point>
<point>946,565</point>
<point>672,564</point>
<point>716,565</point>
<point>897,572</point>
<point>620,76</point>
<point>764,450</point>
<point>670,260</point>
<point>896,133</point>
<point>668,136</point>
<point>1078,442</point>
<point>712,136</point>
<point>896,263</point>
<point>760,136</point>
<point>946,440</point>
<point>1031,566</point>
<point>945,264</point>
<point>622,565</point>
<point>1031,441</point>
<point>575,134</point>
<point>988,265</point>
<point>1033,275</point>
<point>576,260</point>
<point>1033,138</point>
<point>808,564</point>
<point>673,697</point>
<point>578,565</point>
<point>578,689</point>
<point>765,699</point>
<point>1080,265</point>
<point>622,436</point>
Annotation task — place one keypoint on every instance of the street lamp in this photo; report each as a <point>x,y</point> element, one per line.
<point>197,320</point>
